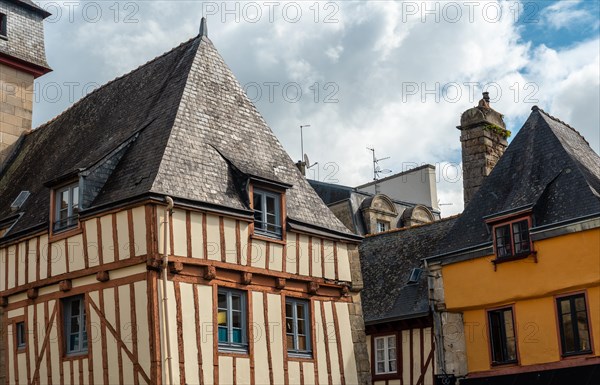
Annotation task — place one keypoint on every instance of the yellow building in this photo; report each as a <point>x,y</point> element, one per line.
<point>157,232</point>
<point>518,279</point>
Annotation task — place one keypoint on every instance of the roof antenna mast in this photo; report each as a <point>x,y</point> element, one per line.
<point>378,170</point>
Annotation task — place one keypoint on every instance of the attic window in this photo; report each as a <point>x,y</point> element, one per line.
<point>66,209</point>
<point>3,27</point>
<point>415,275</point>
<point>511,239</point>
<point>267,213</point>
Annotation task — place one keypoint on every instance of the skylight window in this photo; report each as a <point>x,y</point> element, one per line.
<point>18,203</point>
<point>415,275</point>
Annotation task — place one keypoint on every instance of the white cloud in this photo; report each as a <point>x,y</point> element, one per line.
<point>367,60</point>
<point>567,14</point>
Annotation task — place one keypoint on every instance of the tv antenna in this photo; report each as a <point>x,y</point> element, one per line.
<point>377,170</point>
<point>302,139</point>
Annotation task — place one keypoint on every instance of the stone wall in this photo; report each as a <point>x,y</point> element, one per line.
<point>357,323</point>
<point>16,106</point>
<point>482,147</point>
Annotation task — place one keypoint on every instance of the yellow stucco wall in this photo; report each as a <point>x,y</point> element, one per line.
<point>568,263</point>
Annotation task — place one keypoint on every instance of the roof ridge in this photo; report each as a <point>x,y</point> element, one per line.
<point>43,125</point>
<point>399,229</point>
<point>536,108</point>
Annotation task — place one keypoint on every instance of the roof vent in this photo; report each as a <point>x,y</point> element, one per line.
<point>23,195</point>
<point>415,274</point>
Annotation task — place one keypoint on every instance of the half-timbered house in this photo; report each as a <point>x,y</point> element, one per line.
<point>157,232</point>
<point>401,330</point>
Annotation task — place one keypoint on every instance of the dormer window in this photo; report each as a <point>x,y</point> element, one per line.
<point>267,213</point>
<point>66,209</point>
<point>3,25</point>
<point>511,239</point>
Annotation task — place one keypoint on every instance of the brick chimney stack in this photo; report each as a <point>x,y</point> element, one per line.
<point>22,59</point>
<point>483,138</point>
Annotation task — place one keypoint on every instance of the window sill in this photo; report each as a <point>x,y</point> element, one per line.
<point>582,354</point>
<point>75,356</point>
<point>300,357</point>
<point>386,376</point>
<point>266,238</point>
<point>233,352</point>
<point>503,364</point>
<point>3,37</point>
<point>22,349</point>
<point>65,233</point>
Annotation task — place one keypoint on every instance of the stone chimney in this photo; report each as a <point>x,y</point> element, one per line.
<point>483,138</point>
<point>22,59</point>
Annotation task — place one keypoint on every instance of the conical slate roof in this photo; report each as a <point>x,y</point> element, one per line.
<point>549,167</point>
<point>180,125</point>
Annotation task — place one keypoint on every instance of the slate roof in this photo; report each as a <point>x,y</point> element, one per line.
<point>548,167</point>
<point>387,260</point>
<point>188,131</point>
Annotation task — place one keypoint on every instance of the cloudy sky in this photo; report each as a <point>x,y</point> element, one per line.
<point>394,76</point>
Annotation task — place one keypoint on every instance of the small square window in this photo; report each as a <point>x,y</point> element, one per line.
<point>3,24</point>
<point>75,328</point>
<point>297,326</point>
<point>573,325</point>
<point>231,318</point>
<point>385,355</point>
<point>267,213</point>
<point>512,239</point>
<point>66,206</point>
<point>382,226</point>
<point>21,335</point>
<point>502,336</point>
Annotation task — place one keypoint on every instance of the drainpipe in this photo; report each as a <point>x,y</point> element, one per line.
<point>165,298</point>
<point>437,322</point>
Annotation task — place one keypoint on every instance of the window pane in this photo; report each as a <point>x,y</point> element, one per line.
<point>495,337</point>
<point>380,355</point>
<point>584,334</point>
<point>74,325</point>
<point>568,333</point>
<point>236,302</point>
<point>74,308</point>
<point>271,205</point>
<point>222,317</point>
<point>301,342</point>
<point>222,301</point>
<point>580,304</point>
<point>511,348</point>
<point>236,319</point>
<point>380,367</point>
<point>74,342</point>
<point>289,325</point>
<point>565,306</point>
<point>392,366</point>
<point>289,312</point>
<point>290,342</point>
<point>64,200</point>
<point>258,202</point>
<point>503,245</point>
<point>301,327</point>
<point>379,343</point>
<point>222,334</point>
<point>236,336</point>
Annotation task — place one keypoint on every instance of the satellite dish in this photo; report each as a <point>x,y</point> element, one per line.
<point>307,162</point>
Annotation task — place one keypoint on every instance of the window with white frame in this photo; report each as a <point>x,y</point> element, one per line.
<point>75,329</point>
<point>66,207</point>
<point>267,213</point>
<point>297,326</point>
<point>382,226</point>
<point>385,355</point>
<point>231,318</point>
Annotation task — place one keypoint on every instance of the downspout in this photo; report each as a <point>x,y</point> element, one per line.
<point>165,299</point>
<point>437,322</point>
